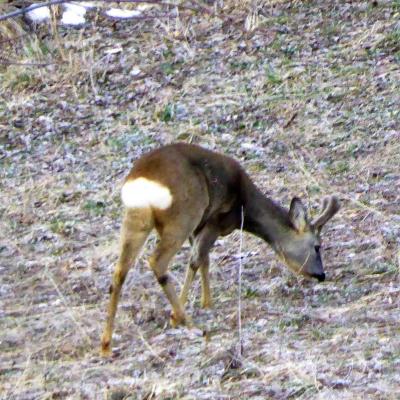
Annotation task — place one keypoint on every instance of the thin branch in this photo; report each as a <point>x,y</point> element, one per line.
<point>28,64</point>
<point>55,2</point>
<point>291,119</point>
<point>161,3</point>
<point>240,286</point>
<point>146,17</point>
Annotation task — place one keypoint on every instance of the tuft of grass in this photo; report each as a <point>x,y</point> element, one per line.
<point>62,227</point>
<point>250,293</point>
<point>390,41</point>
<point>168,68</point>
<point>167,114</point>
<point>95,207</point>
<point>272,76</point>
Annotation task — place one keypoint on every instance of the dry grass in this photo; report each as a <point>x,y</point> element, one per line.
<point>306,95</point>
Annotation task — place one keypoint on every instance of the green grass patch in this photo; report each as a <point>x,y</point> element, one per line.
<point>167,114</point>
<point>95,207</point>
<point>273,78</point>
<point>62,227</point>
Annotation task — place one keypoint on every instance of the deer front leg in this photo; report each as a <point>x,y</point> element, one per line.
<point>190,275</point>
<point>200,259</point>
<point>206,298</point>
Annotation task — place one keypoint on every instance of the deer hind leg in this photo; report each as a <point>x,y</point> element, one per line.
<point>200,259</point>
<point>171,240</point>
<point>136,227</point>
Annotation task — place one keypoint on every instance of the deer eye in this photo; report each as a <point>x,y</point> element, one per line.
<point>317,248</point>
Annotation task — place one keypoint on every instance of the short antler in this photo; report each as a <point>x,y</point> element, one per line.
<point>330,206</point>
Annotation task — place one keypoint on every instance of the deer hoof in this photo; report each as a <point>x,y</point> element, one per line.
<point>206,303</point>
<point>177,320</point>
<point>105,350</point>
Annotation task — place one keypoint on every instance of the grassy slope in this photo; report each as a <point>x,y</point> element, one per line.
<point>308,98</point>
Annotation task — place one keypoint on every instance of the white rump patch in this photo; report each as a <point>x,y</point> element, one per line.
<point>142,192</point>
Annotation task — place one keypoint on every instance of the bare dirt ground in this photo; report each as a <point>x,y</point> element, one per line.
<point>307,96</point>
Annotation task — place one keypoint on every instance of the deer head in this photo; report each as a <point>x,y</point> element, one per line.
<point>300,248</point>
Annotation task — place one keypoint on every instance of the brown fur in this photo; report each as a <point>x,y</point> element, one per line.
<point>209,192</point>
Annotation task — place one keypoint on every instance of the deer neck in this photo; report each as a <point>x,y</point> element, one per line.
<point>265,218</point>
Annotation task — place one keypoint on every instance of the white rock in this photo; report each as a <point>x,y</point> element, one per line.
<point>74,14</point>
<point>135,71</point>
<point>70,18</point>
<point>115,50</point>
<point>87,4</point>
<point>38,14</point>
<point>120,13</point>
<point>248,146</point>
<point>75,8</point>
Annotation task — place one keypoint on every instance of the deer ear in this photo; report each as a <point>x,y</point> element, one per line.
<point>298,215</point>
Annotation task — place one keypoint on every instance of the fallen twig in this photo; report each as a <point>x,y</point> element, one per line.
<point>291,119</point>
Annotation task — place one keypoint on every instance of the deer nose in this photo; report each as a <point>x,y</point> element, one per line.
<point>320,277</point>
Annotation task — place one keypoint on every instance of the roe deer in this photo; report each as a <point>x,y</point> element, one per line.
<point>185,191</point>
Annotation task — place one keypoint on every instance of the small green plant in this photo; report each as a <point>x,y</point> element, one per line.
<point>57,226</point>
<point>296,322</point>
<point>116,144</point>
<point>250,293</point>
<point>314,189</point>
<point>390,42</point>
<point>36,49</point>
<point>300,390</point>
<point>95,207</point>
<point>18,79</point>
<point>384,268</point>
<point>339,167</point>
<point>167,114</point>
<point>330,30</point>
<point>260,124</point>
<point>282,19</point>
<point>273,77</point>
<point>240,65</point>
<point>318,334</point>
<point>352,149</point>
<point>167,68</point>
<point>62,227</point>
<point>168,53</point>
<point>289,51</point>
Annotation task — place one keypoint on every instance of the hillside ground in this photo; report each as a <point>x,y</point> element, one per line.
<point>306,95</point>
